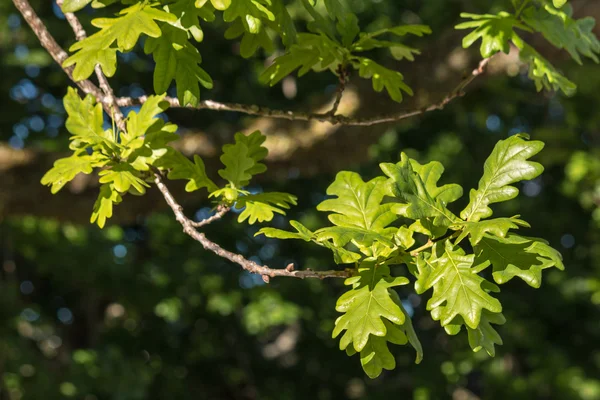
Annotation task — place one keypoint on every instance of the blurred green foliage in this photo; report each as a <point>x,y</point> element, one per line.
<point>142,312</point>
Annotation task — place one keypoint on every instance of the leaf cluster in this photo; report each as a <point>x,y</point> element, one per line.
<point>380,224</point>
<point>126,161</point>
<point>335,43</point>
<point>553,20</point>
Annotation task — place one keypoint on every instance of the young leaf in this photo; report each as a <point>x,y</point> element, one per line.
<point>357,211</point>
<point>260,207</point>
<point>496,226</point>
<point>86,59</point>
<point>399,51</point>
<point>65,169</point>
<point>177,59</point>
<point>367,305</point>
<point>71,6</point>
<point>416,187</point>
<point>310,52</point>
<point>458,289</point>
<point>250,18</point>
<point>182,168</point>
<point>139,122</point>
<point>303,233</point>
<point>507,164</point>
<point>575,36</point>
<point>518,256</point>
<point>485,336</point>
<point>544,75</point>
<point>190,12</point>
<point>348,29</point>
<point>125,30</point>
<point>376,356</point>
<point>103,207</point>
<point>495,31</point>
<point>256,150</point>
<point>242,159</point>
<point>154,145</point>
<point>122,177</point>
<point>392,81</point>
<point>85,121</point>
<point>340,255</point>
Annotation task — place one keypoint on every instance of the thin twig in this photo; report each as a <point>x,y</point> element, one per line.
<point>110,104</point>
<point>343,79</point>
<point>221,211</point>
<point>252,109</point>
<point>80,34</point>
<point>250,266</point>
<point>431,242</point>
<point>87,86</point>
<point>57,53</point>
<point>188,225</point>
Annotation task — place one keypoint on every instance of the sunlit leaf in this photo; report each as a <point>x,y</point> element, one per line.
<point>367,305</point>
<point>507,164</point>
<point>518,256</point>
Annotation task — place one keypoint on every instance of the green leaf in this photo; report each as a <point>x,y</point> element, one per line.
<point>495,31</point>
<point>303,233</point>
<point>154,145</point>
<point>85,121</point>
<point>357,211</point>
<point>348,29</point>
<point>507,164</point>
<point>458,289</point>
<point>125,30</point>
<point>86,59</point>
<point>399,51</point>
<point>242,159</point>
<point>103,207</point>
<point>336,9</point>
<point>250,19</point>
<point>122,177</point>
<point>189,14</point>
<point>559,3</point>
<point>376,356</point>
<point>484,336</point>
<point>221,4</point>
<point>65,169</point>
<point>256,151</point>
<point>518,256</point>
<point>392,81</point>
<point>415,187</point>
<point>177,59</point>
<point>367,305</point>
<point>496,226</point>
<point>262,206</point>
<point>138,123</point>
<point>71,6</point>
<point>182,168</point>
<point>283,23</point>
<point>575,36</point>
<point>340,255</point>
<point>311,52</point>
<point>544,75</point>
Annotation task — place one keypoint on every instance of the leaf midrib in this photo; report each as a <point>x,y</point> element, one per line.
<point>494,177</point>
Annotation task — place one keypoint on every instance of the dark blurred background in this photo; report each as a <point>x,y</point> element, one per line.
<point>139,311</point>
